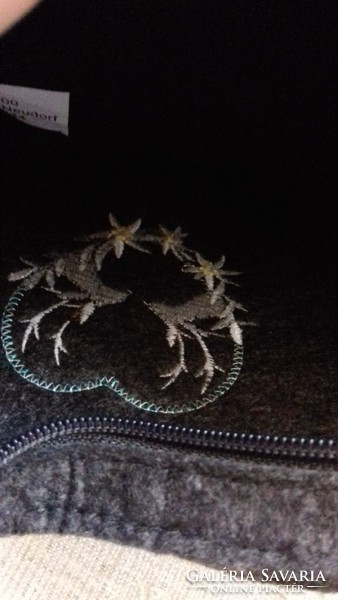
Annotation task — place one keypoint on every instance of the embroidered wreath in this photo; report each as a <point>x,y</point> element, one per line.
<point>208,314</point>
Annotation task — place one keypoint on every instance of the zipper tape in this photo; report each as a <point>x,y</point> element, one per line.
<point>242,444</point>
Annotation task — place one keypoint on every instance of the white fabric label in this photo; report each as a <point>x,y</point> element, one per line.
<point>41,108</point>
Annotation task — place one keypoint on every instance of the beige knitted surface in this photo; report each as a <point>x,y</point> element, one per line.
<point>52,567</point>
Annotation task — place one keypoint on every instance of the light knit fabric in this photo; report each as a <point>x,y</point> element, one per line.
<point>53,567</point>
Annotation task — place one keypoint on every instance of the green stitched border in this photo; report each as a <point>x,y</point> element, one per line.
<point>108,381</point>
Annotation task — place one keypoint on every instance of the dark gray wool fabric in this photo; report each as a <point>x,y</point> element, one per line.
<point>216,117</point>
<point>220,511</point>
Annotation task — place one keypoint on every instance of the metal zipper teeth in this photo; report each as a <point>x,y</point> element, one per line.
<point>246,444</point>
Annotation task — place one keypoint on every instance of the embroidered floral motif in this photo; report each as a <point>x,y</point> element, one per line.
<point>204,269</point>
<point>117,237</point>
<point>73,279</point>
<point>180,321</point>
<point>91,293</point>
<point>172,241</point>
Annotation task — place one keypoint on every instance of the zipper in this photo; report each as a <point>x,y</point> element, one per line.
<point>293,450</point>
<point>257,446</point>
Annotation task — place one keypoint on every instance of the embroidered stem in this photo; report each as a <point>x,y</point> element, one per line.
<point>105,381</point>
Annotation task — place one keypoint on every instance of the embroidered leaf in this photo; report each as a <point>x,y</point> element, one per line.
<point>180,321</point>
<point>218,292</point>
<point>102,252</point>
<point>207,371</point>
<point>86,256</point>
<point>50,279</point>
<point>58,343</point>
<point>20,274</point>
<point>32,327</point>
<point>236,333</point>
<point>59,267</point>
<point>179,367</point>
<point>98,235</point>
<point>171,335</point>
<point>86,311</point>
<point>32,275</point>
<point>33,279</point>
<point>34,324</point>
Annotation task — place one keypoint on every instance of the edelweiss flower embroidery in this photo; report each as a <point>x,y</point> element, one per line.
<point>173,241</point>
<point>117,237</point>
<point>77,290</point>
<point>209,271</point>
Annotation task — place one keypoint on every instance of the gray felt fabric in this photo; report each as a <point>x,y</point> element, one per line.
<point>247,514</point>
<point>219,119</point>
<point>287,385</point>
<point>212,508</point>
<point>220,511</point>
